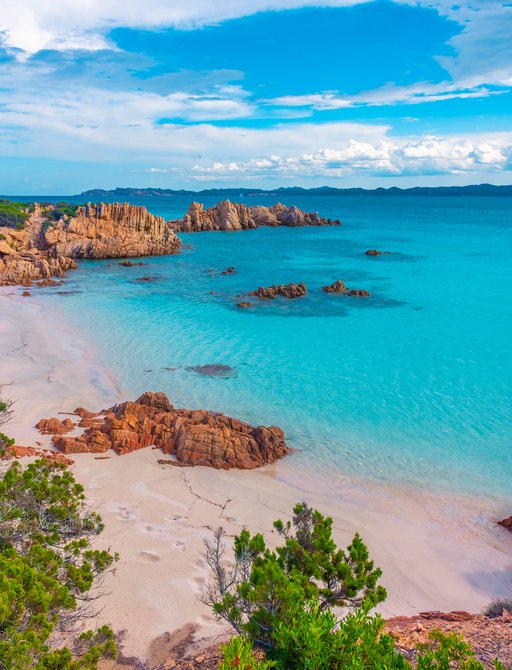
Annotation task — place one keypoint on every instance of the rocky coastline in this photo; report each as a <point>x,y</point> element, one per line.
<point>48,243</point>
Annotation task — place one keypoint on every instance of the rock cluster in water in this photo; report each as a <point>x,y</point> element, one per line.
<point>339,287</point>
<point>192,437</point>
<point>228,216</point>
<point>285,290</point>
<point>45,248</point>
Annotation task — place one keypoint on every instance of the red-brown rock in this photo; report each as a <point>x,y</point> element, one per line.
<point>244,304</point>
<point>55,426</point>
<point>336,287</point>
<point>357,293</point>
<point>285,290</point>
<point>375,252</point>
<point>194,437</point>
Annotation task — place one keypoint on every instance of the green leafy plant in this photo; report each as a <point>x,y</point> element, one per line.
<point>48,569</point>
<point>262,589</point>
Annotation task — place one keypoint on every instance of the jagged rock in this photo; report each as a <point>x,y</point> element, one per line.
<point>193,437</point>
<point>285,290</point>
<point>55,426</point>
<point>506,523</point>
<point>233,216</point>
<point>41,251</point>
<point>336,287</point>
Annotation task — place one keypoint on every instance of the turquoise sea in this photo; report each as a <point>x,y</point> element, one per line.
<point>411,386</point>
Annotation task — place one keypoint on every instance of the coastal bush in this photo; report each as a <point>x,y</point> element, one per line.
<point>307,604</point>
<point>49,572</point>
<point>13,214</point>
<point>265,590</point>
<point>61,209</point>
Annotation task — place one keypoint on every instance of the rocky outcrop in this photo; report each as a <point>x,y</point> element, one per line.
<point>53,457</point>
<point>192,437</point>
<point>46,248</point>
<point>55,426</point>
<point>285,290</point>
<point>229,216</point>
<point>110,231</point>
<point>336,287</point>
<point>339,287</point>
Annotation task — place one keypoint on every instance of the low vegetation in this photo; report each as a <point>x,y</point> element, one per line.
<point>50,575</point>
<point>60,210</point>
<point>307,604</point>
<point>13,214</point>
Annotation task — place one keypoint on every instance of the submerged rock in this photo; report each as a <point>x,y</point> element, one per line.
<point>357,293</point>
<point>375,252</point>
<point>285,290</point>
<point>192,437</point>
<point>244,304</point>
<point>229,271</point>
<point>212,370</point>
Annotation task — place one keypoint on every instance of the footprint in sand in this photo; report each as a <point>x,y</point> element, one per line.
<point>148,557</point>
<point>202,619</point>
<point>126,514</point>
<point>179,545</point>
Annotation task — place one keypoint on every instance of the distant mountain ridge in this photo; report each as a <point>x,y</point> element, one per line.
<point>472,190</point>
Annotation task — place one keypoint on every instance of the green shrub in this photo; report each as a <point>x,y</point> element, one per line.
<point>13,214</point>
<point>47,569</point>
<point>307,604</point>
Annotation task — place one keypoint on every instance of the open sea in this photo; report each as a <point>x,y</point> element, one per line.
<point>411,386</point>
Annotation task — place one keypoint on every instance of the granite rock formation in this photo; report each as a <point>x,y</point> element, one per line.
<point>229,216</point>
<point>192,437</point>
<point>285,290</point>
<point>47,248</point>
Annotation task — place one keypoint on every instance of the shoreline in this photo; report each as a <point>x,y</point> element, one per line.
<point>436,551</point>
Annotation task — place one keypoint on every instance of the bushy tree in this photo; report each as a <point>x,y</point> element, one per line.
<point>307,604</point>
<point>263,589</point>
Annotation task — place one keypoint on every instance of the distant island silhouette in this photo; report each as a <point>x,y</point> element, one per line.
<point>472,190</point>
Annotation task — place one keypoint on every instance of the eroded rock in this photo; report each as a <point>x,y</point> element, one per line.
<point>193,437</point>
<point>285,290</point>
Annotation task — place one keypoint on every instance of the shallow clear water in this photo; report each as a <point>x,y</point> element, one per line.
<point>410,386</point>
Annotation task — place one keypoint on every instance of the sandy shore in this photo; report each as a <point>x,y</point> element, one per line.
<point>436,552</point>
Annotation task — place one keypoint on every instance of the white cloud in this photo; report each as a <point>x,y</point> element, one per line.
<point>387,95</point>
<point>403,156</point>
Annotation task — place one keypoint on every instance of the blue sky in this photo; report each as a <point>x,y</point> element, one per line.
<point>198,94</point>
